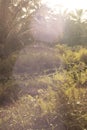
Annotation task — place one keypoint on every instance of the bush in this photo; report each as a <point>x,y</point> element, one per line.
<point>6,67</point>
<point>8,92</point>
<point>8,88</point>
<point>82,55</point>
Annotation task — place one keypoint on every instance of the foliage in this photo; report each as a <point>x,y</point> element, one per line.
<point>50,82</point>
<point>14,19</point>
<point>50,101</point>
<point>75,28</point>
<point>8,92</point>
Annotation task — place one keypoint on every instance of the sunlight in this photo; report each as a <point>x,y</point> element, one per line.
<point>63,4</point>
<point>47,25</point>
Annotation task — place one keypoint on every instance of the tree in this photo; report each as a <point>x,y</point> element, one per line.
<point>14,21</point>
<point>75,27</point>
<point>15,18</point>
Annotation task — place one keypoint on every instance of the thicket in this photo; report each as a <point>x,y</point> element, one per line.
<point>56,100</point>
<point>63,104</point>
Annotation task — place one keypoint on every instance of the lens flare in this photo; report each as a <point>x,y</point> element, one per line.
<point>46,26</point>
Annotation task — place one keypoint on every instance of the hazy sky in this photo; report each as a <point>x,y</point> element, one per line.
<point>70,4</point>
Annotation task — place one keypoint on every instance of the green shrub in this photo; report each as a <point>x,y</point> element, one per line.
<point>8,92</point>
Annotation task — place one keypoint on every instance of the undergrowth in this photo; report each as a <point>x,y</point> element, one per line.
<point>48,101</point>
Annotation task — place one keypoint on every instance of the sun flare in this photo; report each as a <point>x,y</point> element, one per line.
<point>47,25</point>
<point>63,4</point>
